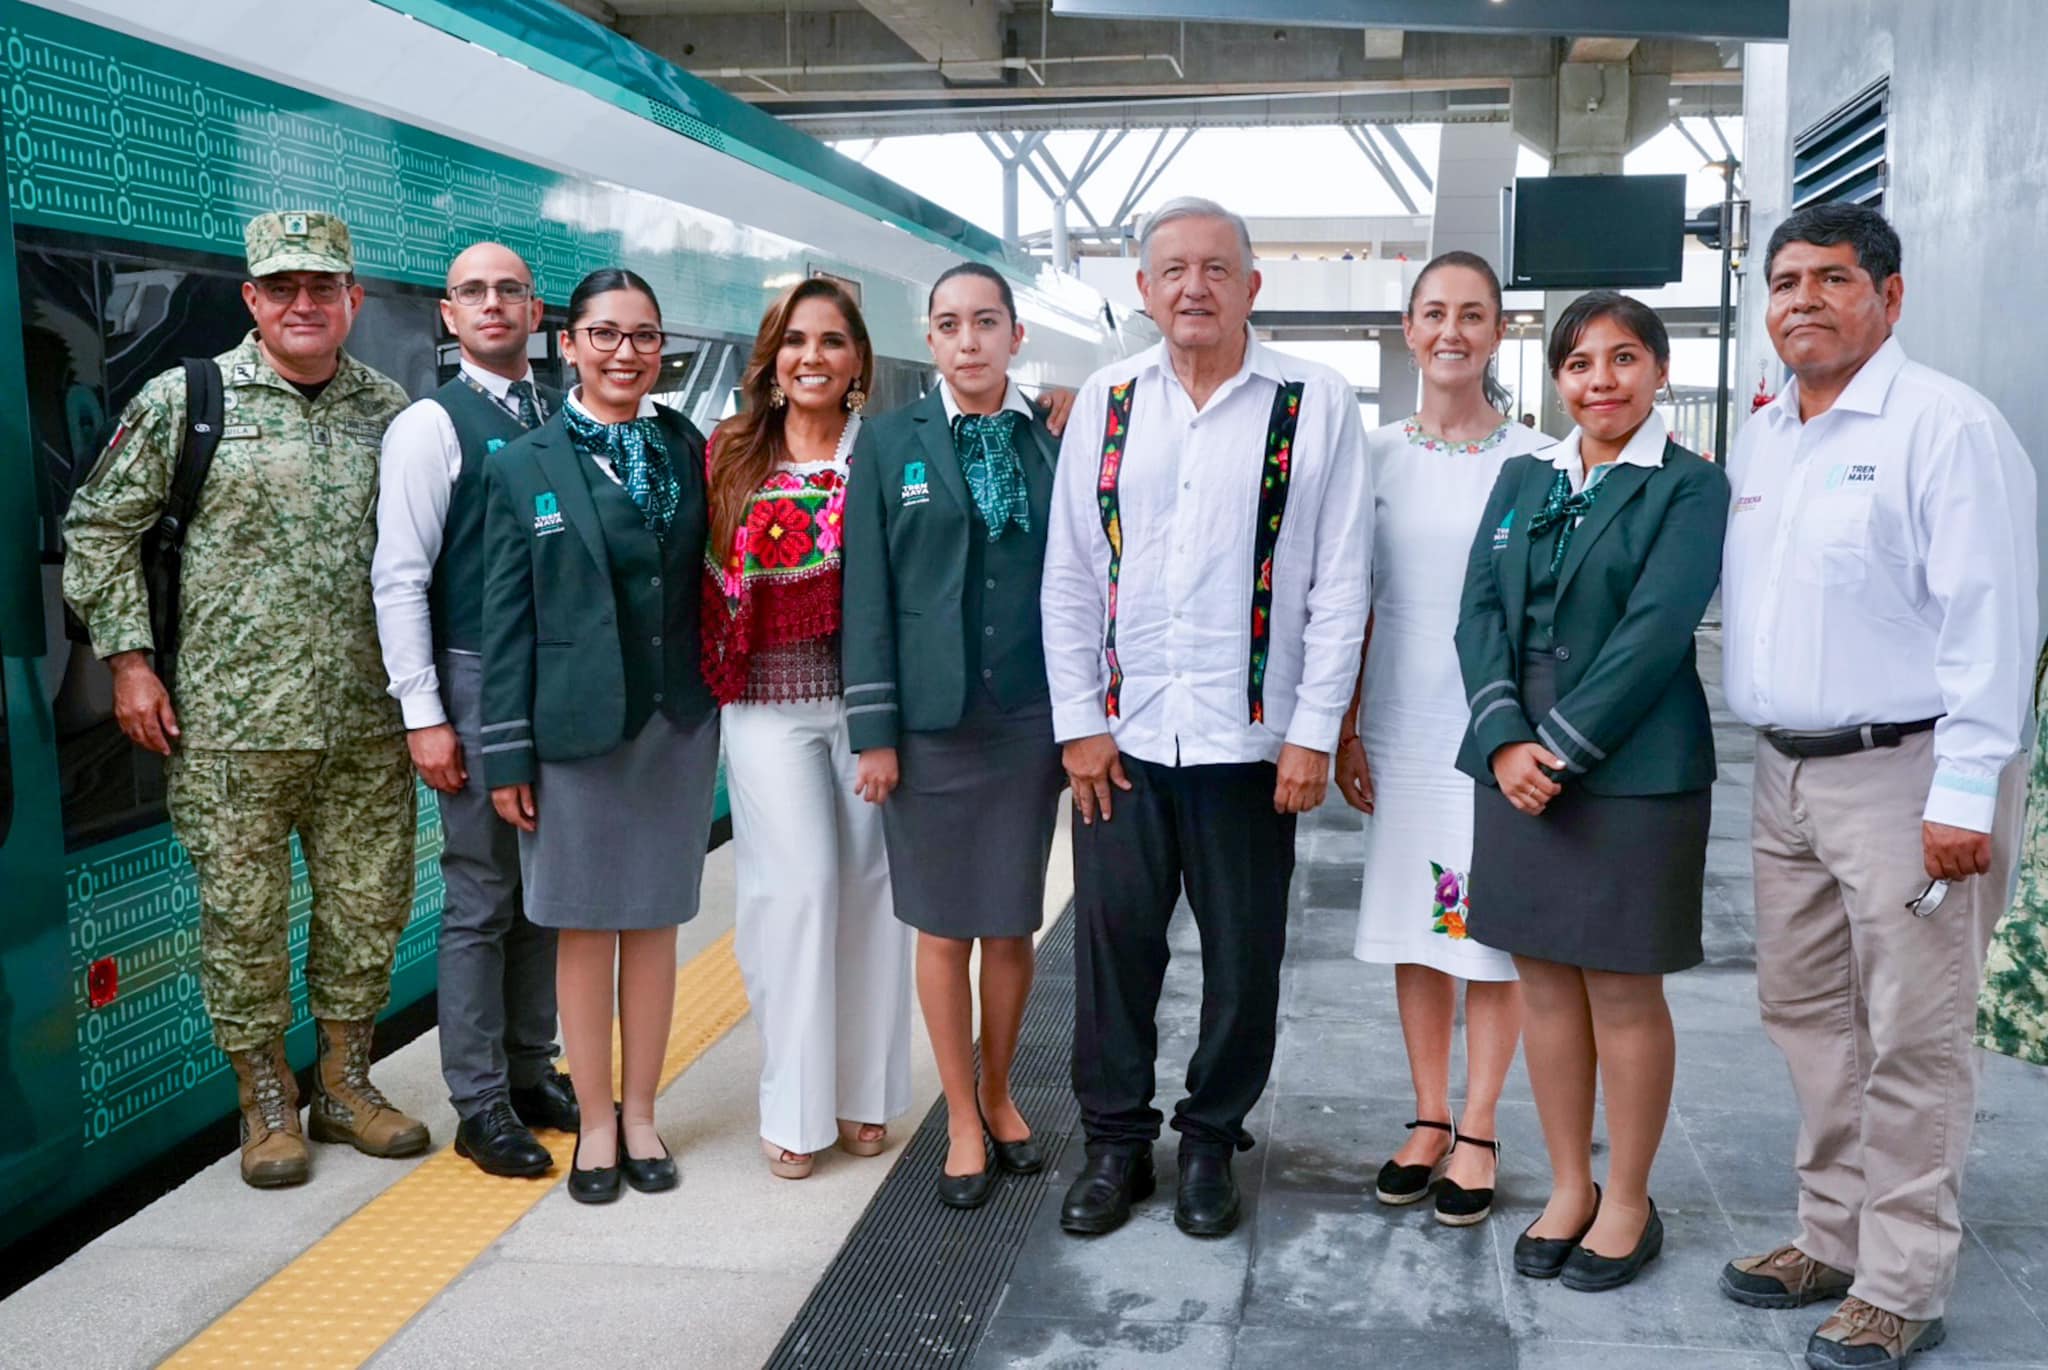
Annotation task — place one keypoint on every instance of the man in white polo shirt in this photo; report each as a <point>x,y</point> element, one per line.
<point>1207,573</point>
<point>1879,601</point>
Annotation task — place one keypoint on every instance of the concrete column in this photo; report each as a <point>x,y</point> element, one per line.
<point>1400,381</point>
<point>1010,201</point>
<point>1767,183</point>
<point>1474,162</point>
<point>1062,250</point>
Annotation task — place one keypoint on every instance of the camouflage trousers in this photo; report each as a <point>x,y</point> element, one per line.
<point>353,807</point>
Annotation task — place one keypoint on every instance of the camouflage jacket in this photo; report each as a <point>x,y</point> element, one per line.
<point>277,636</point>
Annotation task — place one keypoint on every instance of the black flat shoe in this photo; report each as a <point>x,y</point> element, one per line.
<point>1541,1258</point>
<point>500,1144</point>
<point>1591,1272</point>
<point>599,1185</point>
<point>550,1103</point>
<point>1457,1206</point>
<point>1206,1204</point>
<point>649,1176</point>
<point>1404,1184</point>
<point>1101,1196</point>
<point>1019,1158</point>
<point>967,1191</point>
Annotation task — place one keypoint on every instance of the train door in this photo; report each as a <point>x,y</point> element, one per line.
<point>39,1084</point>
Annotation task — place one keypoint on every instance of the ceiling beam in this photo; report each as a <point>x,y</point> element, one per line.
<point>957,34</point>
<point>1602,49</point>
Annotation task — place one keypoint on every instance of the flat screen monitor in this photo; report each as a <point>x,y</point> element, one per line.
<point>1584,232</point>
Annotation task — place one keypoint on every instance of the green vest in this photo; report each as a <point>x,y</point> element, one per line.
<point>999,601</point>
<point>455,598</point>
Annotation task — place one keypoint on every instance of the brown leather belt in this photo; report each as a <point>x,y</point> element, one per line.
<point>1844,741</point>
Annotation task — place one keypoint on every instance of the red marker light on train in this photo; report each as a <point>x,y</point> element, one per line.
<point>102,982</point>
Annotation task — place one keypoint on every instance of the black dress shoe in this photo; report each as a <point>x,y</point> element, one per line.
<point>599,1185</point>
<point>1541,1258</point>
<point>550,1103</point>
<point>1101,1196</point>
<point>1591,1272</point>
<point>1404,1184</point>
<point>1457,1206</point>
<point>650,1176</point>
<point>501,1145</point>
<point>1206,1205</point>
<point>967,1191</point>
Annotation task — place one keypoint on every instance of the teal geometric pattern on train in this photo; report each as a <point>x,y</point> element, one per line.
<point>110,135</point>
<point>147,1060</point>
<point>277,634</point>
<point>2012,1012</point>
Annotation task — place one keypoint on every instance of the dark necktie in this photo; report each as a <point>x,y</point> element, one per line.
<point>521,394</point>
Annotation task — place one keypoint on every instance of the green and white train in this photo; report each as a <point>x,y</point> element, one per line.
<point>139,136</point>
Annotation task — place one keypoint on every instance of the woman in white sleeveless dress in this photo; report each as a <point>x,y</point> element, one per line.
<point>1431,475</point>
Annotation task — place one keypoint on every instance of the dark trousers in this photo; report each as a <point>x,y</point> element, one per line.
<point>1212,831</point>
<point>496,970</point>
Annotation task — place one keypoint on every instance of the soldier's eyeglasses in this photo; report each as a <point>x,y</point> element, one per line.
<point>284,294</point>
<point>645,340</point>
<point>508,292</point>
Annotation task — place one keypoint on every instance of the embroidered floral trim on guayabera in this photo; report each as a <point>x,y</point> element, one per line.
<point>1273,485</point>
<point>1115,433</point>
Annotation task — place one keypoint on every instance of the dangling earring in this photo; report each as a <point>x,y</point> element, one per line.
<point>856,400</point>
<point>776,399</point>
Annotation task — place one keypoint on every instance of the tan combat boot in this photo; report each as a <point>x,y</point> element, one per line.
<point>347,1107</point>
<point>273,1149</point>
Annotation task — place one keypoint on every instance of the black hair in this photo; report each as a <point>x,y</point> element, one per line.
<point>1471,261</point>
<point>603,281</point>
<point>1632,314</point>
<point>987,273</point>
<point>1496,394</point>
<point>1866,230</point>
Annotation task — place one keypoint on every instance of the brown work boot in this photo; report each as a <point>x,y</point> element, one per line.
<point>273,1149</point>
<point>347,1107</point>
<point>1862,1336</point>
<point>1785,1278</point>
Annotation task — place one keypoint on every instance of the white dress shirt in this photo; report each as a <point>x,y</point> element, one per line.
<point>421,460</point>
<point>1188,496</point>
<point>1013,399</point>
<point>1880,568</point>
<point>1644,448</point>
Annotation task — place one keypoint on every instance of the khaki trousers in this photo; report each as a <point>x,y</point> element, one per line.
<point>1874,1008</point>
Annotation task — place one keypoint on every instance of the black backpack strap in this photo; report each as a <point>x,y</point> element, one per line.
<point>203,417</point>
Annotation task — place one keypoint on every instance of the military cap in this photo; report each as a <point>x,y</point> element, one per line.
<point>298,240</point>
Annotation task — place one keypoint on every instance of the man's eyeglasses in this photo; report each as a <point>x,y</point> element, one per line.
<point>1928,900</point>
<point>285,293</point>
<point>646,341</point>
<point>508,292</point>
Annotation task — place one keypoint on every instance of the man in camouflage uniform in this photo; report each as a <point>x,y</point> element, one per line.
<point>279,721</point>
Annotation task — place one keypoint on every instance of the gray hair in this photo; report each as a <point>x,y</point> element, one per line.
<point>1191,207</point>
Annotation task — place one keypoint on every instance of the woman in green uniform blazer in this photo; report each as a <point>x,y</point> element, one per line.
<point>946,515</point>
<point>1594,754</point>
<point>600,741</point>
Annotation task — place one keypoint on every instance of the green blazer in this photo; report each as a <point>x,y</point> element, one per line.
<point>1631,716</point>
<point>589,624</point>
<point>903,641</point>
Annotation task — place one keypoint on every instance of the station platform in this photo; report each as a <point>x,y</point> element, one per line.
<point>429,1264</point>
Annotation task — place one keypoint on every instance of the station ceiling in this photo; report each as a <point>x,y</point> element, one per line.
<point>1737,20</point>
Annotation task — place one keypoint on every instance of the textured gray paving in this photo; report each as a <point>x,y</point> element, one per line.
<point>1319,1275</point>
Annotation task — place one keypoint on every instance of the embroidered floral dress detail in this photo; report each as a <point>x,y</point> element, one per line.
<point>1450,902</point>
<point>1429,442</point>
<point>771,603</point>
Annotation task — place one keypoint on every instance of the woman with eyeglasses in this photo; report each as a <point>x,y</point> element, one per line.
<point>600,735</point>
<point>1593,753</point>
<point>827,965</point>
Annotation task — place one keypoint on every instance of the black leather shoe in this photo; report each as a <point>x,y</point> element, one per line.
<point>649,1176</point>
<point>1206,1205</point>
<point>1404,1184</point>
<point>968,1191</point>
<point>1457,1206</point>
<point>551,1103</point>
<point>1019,1158</point>
<point>1588,1271</point>
<point>1541,1258</point>
<point>1101,1196</point>
<point>501,1145</point>
<point>596,1186</point>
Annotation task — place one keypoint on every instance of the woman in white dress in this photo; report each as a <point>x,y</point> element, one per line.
<point>1431,475</point>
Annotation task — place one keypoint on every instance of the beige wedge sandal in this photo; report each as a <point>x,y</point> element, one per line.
<point>853,1144</point>
<point>787,1165</point>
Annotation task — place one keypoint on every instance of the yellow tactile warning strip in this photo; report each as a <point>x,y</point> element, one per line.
<point>343,1297</point>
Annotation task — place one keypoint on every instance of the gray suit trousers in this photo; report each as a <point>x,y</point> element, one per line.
<point>496,970</point>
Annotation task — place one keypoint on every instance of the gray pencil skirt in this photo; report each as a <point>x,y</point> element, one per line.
<point>970,827</point>
<point>619,842</point>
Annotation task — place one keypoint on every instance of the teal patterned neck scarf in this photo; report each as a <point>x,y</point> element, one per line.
<point>1562,510</point>
<point>986,445</point>
<point>639,454</point>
